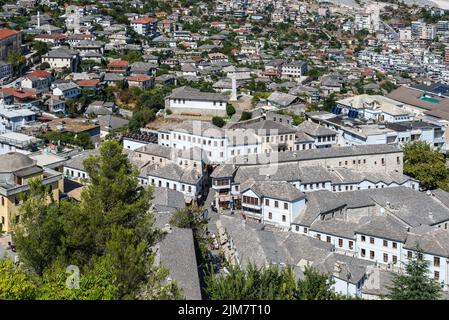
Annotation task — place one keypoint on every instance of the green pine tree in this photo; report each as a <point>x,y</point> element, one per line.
<point>415,284</point>
<point>108,236</point>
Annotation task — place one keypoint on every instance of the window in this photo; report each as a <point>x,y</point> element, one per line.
<point>318,236</point>
<point>363,253</point>
<point>297,228</point>
<point>409,254</point>
<point>305,230</point>
<point>385,243</point>
<point>276,204</point>
<point>371,255</point>
<point>270,215</point>
<point>371,240</point>
<point>190,188</point>
<point>436,275</point>
<point>436,261</point>
<point>340,243</point>
<point>395,259</point>
<point>351,245</point>
<point>284,218</point>
<point>267,202</point>
<point>251,200</point>
<point>362,238</point>
<point>385,257</point>
<point>328,239</point>
<point>285,205</point>
<point>394,244</point>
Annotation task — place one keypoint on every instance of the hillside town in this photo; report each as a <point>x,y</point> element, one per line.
<point>299,134</point>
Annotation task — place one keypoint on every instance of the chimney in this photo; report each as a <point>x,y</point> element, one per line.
<point>234,87</point>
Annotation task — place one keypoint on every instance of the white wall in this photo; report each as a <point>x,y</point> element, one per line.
<point>176,185</point>
<point>132,145</point>
<point>203,107</point>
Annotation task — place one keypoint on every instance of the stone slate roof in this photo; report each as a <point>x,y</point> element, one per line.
<point>383,227</point>
<point>355,267</point>
<point>223,171</point>
<point>201,128</point>
<point>177,254</point>
<point>262,247</point>
<point>139,67</point>
<point>282,99</point>
<point>195,94</point>
<point>276,190</point>
<point>268,127</point>
<point>76,162</point>
<point>156,150</point>
<point>61,53</point>
<point>284,173</point>
<point>113,77</point>
<point>303,137</point>
<point>409,208</point>
<point>322,153</point>
<point>430,240</point>
<point>315,130</point>
<point>167,200</point>
<point>346,175</point>
<point>319,202</point>
<point>412,207</point>
<point>172,172</point>
<point>336,227</point>
<point>112,122</point>
<point>256,244</point>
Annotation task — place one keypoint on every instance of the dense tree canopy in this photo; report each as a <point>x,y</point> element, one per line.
<point>218,121</point>
<point>426,165</point>
<point>108,235</point>
<point>269,283</point>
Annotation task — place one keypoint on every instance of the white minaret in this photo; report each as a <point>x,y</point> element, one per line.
<point>234,87</point>
<point>38,19</point>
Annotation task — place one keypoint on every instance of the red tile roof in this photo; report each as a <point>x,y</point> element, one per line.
<point>38,74</point>
<point>118,64</point>
<point>88,82</point>
<point>6,33</point>
<point>139,78</point>
<point>145,20</point>
<point>51,36</point>
<point>18,94</point>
